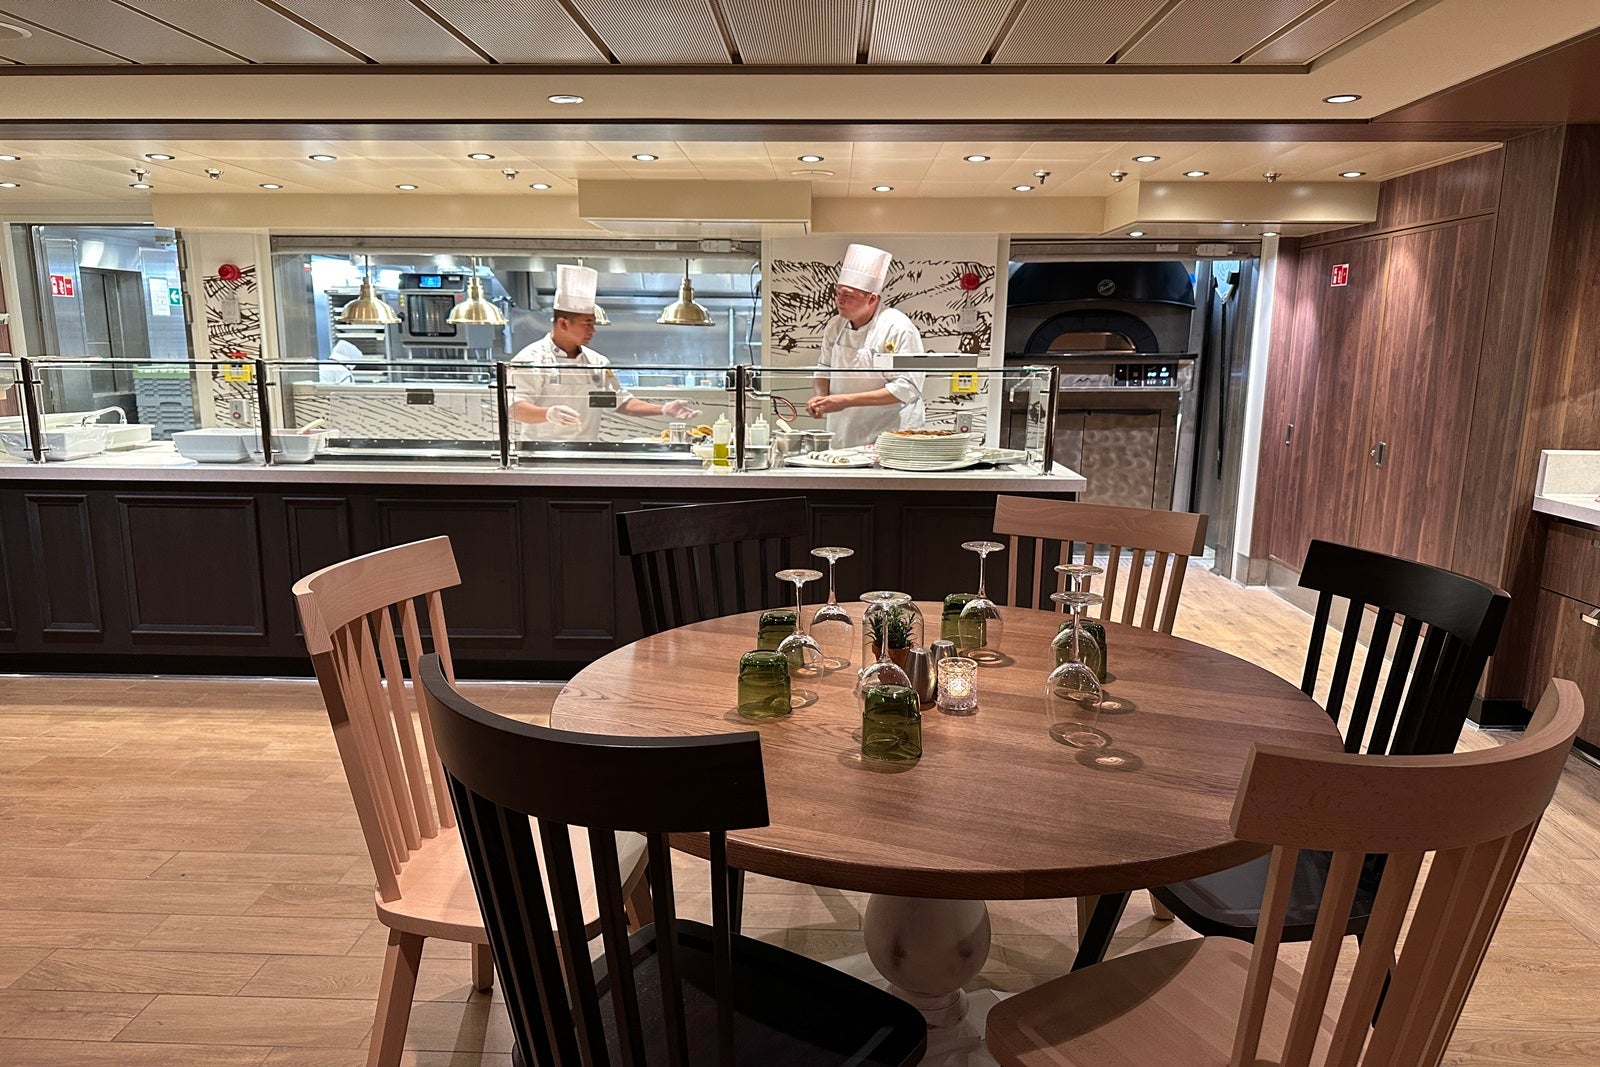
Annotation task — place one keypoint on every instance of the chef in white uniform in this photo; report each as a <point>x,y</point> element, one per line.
<point>862,394</point>
<point>563,395</point>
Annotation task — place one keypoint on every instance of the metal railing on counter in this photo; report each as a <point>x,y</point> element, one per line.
<point>982,399</point>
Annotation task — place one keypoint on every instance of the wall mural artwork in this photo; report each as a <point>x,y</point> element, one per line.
<point>933,293</point>
<point>233,333</point>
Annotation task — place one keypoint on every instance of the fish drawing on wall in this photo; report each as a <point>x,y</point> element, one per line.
<point>929,292</point>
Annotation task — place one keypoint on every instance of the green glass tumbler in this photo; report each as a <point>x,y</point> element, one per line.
<point>965,632</point>
<point>775,625</point>
<point>891,724</point>
<point>1092,646</point>
<point>764,684</point>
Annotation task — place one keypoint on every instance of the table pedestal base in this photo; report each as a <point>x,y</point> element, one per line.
<point>928,949</point>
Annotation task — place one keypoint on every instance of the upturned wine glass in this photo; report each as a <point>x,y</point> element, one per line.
<point>1092,635</point>
<point>979,627</point>
<point>832,626</point>
<point>802,649</point>
<point>1072,692</point>
<point>892,621</point>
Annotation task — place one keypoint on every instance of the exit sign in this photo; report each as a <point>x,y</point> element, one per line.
<point>60,285</point>
<point>1340,274</point>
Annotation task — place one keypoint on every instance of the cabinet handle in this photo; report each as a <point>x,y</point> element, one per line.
<point>1377,452</point>
<point>1590,618</point>
<point>1288,433</point>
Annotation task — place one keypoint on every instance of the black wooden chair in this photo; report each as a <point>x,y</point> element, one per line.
<point>1450,624</point>
<point>700,561</point>
<point>676,991</point>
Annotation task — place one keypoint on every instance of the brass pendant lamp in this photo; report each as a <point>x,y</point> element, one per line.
<point>476,310</point>
<point>684,311</point>
<point>366,309</point>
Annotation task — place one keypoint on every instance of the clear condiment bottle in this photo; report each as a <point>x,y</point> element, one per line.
<point>720,432</point>
<point>760,433</point>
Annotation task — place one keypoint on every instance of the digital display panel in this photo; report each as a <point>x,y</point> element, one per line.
<point>430,281</point>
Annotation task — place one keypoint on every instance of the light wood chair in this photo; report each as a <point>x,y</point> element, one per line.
<point>349,613</point>
<point>1044,533</point>
<point>1216,1000</point>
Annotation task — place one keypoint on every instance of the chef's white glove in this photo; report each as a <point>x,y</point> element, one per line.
<point>679,409</point>
<point>561,415</point>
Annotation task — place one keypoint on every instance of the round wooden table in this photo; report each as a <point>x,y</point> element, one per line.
<point>995,809</point>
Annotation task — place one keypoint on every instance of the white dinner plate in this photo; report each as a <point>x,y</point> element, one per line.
<point>824,465</point>
<point>961,464</point>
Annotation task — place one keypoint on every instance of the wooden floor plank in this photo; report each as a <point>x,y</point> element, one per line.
<point>216,907</point>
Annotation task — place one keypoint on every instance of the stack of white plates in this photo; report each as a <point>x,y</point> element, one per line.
<point>916,450</point>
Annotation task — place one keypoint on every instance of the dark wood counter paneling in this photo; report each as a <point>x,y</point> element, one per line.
<point>198,580</point>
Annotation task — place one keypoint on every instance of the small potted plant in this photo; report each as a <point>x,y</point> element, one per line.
<point>892,633</point>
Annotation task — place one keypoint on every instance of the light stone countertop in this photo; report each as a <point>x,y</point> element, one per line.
<point>1568,483</point>
<point>161,464</point>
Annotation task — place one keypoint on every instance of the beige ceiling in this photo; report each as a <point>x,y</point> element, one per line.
<point>100,170</point>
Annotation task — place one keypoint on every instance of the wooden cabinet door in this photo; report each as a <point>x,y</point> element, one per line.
<point>1342,332</point>
<point>1424,373</point>
<point>1285,419</point>
<point>1567,645</point>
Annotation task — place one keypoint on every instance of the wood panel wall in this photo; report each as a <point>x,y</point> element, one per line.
<point>1492,276</point>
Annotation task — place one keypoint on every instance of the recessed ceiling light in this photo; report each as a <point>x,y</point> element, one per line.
<point>480,155</point>
<point>564,98</point>
<point>540,185</point>
<point>1269,233</point>
<point>271,185</point>
<point>138,185</point>
<point>976,158</point>
<point>1145,159</point>
<point>1341,98</point>
<point>9,159</point>
<point>1352,174</point>
<point>645,157</point>
<point>407,187</point>
<point>159,157</point>
<point>808,158</point>
<point>1195,173</point>
<point>883,188</point>
<point>323,157</point>
<point>1135,233</point>
<point>9,185</point>
<point>1022,188</point>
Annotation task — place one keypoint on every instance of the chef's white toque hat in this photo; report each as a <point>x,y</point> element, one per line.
<point>575,289</point>
<point>865,268</point>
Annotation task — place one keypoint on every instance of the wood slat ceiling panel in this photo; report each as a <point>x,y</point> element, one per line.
<point>116,29</point>
<point>44,47</point>
<point>1213,31</point>
<point>1073,31</point>
<point>656,31</point>
<point>245,27</point>
<point>1325,29</point>
<point>935,31</point>
<point>820,32</point>
<point>520,31</point>
<point>388,33</point>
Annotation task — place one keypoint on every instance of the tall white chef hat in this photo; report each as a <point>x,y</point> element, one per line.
<point>575,289</point>
<point>865,268</point>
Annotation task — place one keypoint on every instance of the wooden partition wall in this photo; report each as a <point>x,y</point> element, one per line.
<point>1466,339</point>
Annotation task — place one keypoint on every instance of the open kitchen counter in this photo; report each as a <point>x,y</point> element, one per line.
<point>142,561</point>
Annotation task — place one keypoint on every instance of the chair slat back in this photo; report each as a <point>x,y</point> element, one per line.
<point>503,773</point>
<point>1420,677</point>
<point>1475,811</point>
<point>700,561</point>
<point>348,613</point>
<point>1042,534</point>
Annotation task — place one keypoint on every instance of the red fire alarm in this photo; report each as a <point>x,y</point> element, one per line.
<point>970,281</point>
<point>229,273</point>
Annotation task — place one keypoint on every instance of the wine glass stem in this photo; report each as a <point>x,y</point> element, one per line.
<point>982,558</point>
<point>1077,613</point>
<point>798,608</point>
<point>832,600</point>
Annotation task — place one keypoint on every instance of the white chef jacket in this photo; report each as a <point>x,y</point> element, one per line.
<point>545,385</point>
<point>863,360</point>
